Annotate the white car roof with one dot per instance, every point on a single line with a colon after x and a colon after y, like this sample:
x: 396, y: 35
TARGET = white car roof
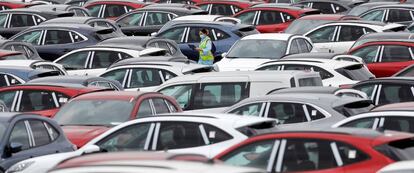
x: 268, y: 36
x: 398, y: 166
x: 324, y: 63
x: 199, y: 17
x: 20, y: 63
x: 391, y: 113
x: 180, y: 66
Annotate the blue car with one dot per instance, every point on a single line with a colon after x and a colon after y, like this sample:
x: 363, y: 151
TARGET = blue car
x: 53, y: 40
x: 186, y: 33
x: 25, y: 135
x: 14, y: 75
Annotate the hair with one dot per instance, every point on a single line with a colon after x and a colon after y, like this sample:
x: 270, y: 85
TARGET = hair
x: 204, y: 31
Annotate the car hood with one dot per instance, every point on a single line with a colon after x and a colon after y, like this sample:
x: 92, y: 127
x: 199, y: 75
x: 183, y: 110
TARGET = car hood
x: 240, y: 64
x: 80, y: 135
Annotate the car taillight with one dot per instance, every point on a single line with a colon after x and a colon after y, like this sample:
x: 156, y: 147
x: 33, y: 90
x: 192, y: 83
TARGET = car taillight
x: 345, y: 86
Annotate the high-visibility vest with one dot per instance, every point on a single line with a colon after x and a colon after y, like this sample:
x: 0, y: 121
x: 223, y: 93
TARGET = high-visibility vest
x: 203, y: 45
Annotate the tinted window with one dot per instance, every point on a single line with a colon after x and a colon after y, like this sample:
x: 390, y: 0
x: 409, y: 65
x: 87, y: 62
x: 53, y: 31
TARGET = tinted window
x: 176, y: 135
x: 19, y: 135
x: 395, y: 53
x: 57, y: 37
x: 117, y: 75
x: 75, y: 60
x: 40, y: 133
x: 270, y: 17
x: 173, y: 34
x: 182, y: 93
x: 94, y: 10
x: 131, y: 138
x: 350, y: 33
x: 215, y: 135
x: 365, y: 123
x: 30, y: 37
x: 220, y: 95
x: 304, y: 45
x: 221, y: 9
x: 7, y: 80
x: 250, y: 109
x: 368, y: 54
x: 311, y: 81
x: 7, y: 97
x: 376, y: 15
x: 194, y: 36
x: 160, y: 106
x: 398, y: 15
x: 287, y: 113
x: 322, y: 35
x: 113, y: 10
x: 33, y: 100
x: 394, y: 93
x: 21, y: 20
x: 350, y: 154
x: 103, y: 59
x: 294, y: 48
x: 219, y: 35
x: 131, y: 20
x: 145, y: 78
x: 367, y: 89
x: 144, y: 109
x: 76, y: 37
x: 3, y: 19
x: 247, y: 17
x: 405, y: 124
x: 324, y: 7
x: 156, y: 18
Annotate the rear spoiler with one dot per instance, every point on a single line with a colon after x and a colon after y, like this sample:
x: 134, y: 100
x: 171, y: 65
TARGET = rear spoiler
x: 43, y: 73
x: 393, y: 27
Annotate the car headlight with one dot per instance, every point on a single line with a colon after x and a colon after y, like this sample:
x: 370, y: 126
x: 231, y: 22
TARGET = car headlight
x: 19, y: 167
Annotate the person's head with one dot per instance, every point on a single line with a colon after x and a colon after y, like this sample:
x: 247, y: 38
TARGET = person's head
x: 203, y: 33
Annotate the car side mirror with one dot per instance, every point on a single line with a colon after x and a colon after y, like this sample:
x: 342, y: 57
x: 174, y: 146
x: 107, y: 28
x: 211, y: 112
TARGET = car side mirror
x: 90, y: 149
x: 223, y: 55
x: 15, y: 147
x: 153, y: 34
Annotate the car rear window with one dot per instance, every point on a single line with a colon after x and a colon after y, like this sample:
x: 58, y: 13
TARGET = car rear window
x: 355, y: 108
x: 310, y: 81
x: 398, y: 150
x: 355, y: 72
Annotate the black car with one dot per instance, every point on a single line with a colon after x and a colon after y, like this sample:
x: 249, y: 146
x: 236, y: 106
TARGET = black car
x: 53, y: 40
x: 25, y: 135
x: 331, y: 7
x: 16, y: 20
x: 147, y: 20
x: 388, y: 90
x: 78, y: 11
x: 92, y: 21
x: 26, y: 48
x: 170, y: 46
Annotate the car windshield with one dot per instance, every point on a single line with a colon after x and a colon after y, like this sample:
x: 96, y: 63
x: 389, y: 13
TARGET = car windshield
x: 303, y: 26
x: 95, y: 112
x: 15, y: 57
x: 271, y: 49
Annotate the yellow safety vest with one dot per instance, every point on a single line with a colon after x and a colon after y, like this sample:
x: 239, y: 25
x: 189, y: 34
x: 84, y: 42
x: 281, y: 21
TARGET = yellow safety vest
x: 203, y: 45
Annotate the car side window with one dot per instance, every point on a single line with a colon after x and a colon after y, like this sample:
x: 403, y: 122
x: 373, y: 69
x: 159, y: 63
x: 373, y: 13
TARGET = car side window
x: 395, y: 93
x: 214, y: 134
x: 367, y: 89
x: 131, y: 20
x: 376, y: 15
x: 8, y: 97
x: 94, y: 10
x: 219, y: 35
x: 287, y: 113
x: 182, y: 93
x: 255, y: 154
x: 324, y: 74
x: 350, y: 154
x: 338, y: 8
x: 396, y: 53
x: 131, y: 138
x: 368, y: 53
x: 323, y: 6
x: 221, y: 9
x: 176, y: 135
x: 37, y: 100
x: 294, y: 48
x: 145, y: 77
x: 194, y: 36
x: 271, y: 67
x: 397, y: 123
x: 114, y: 10
x: 322, y: 35
x: 75, y: 60
x: 3, y: 20
x: 32, y: 37
x: 76, y: 37
x: 220, y: 94
x: 57, y: 37
x: 20, y: 135
x: 350, y: 33
x: 103, y: 59
x: 79, y: 12
x: 270, y: 17
x: 366, y: 123
x: 157, y: 18
x: 160, y: 44
x: 175, y: 34
x: 144, y: 109
x: 303, y: 45
x: 250, y: 109
x: 247, y: 17
x: 117, y: 75
x: 21, y: 20
x: 40, y: 133
x: 399, y: 15
x: 160, y: 106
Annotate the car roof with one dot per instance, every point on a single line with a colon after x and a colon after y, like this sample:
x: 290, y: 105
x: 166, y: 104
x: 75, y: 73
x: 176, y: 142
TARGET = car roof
x: 323, y: 62
x: 129, y: 1
x: 199, y: 22
x: 325, y: 17
x: 398, y: 5
x: 67, y: 26
x: 404, y: 106
x: 279, y: 5
x: 388, y: 35
x: 183, y: 11
x: 149, y: 59
x: 25, y: 73
x: 366, y: 22
x: 83, y: 80
x: 403, y: 79
x: 119, y: 95
x: 52, y: 7
x: 7, y: 116
x: 36, y: 11
x: 268, y: 36
x: 74, y: 19
x: 183, y: 67
x: 135, y: 41
x: 309, y: 89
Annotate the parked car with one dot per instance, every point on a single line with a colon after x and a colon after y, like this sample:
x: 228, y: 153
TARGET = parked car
x: 333, y: 72
x: 387, y: 90
x: 26, y: 135
x: 406, y: 72
x: 330, y: 7
x: 111, y: 9
x: 395, y: 13
x: 12, y: 55
x: 192, y: 2
x: 14, y: 75
x: 94, y: 60
x: 215, y: 18
x: 59, y: 39
x: 77, y: 11
x: 223, y: 35
x: 26, y: 48
x: 21, y: 19
x: 384, y: 58
x: 144, y: 21
x: 86, y: 81
x: 302, y: 109
x: 6, y: 5
x: 362, y: 8
x: 40, y: 98
x: 340, y: 92
x: 339, y: 36
x: 382, y: 36
x: 92, y: 21
x: 146, y: 75
x: 225, y: 7
x: 397, y: 117
x: 89, y: 115
x: 221, y: 89
x: 36, y: 64
x: 338, y: 150
x: 306, y: 23
x: 272, y: 17
x: 173, y: 5
x: 79, y: 3
x: 251, y: 51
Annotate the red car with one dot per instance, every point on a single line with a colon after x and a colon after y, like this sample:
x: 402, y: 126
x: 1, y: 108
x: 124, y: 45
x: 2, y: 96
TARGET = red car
x: 11, y: 55
x: 342, y: 150
x: 270, y: 18
x: 112, y: 9
x: 225, y: 7
x: 5, y: 5
x: 89, y: 115
x: 192, y: 2
x: 387, y: 57
x: 43, y: 99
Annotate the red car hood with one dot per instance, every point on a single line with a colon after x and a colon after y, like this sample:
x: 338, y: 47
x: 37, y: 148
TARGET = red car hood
x: 80, y: 135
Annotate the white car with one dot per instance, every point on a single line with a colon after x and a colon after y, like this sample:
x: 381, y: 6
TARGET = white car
x: 216, y: 18
x: 95, y: 59
x: 253, y: 50
x: 339, y: 36
x: 146, y: 74
x: 333, y: 72
x: 203, y: 134
x: 398, y: 167
x: 36, y: 64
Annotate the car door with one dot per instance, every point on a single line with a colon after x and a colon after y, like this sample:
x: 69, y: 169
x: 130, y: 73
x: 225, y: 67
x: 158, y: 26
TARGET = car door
x: 120, y: 75
x: 132, y: 23
x: 346, y: 37
x: 393, y: 58
x: 323, y: 37
x: 58, y: 42
x: 19, y: 22
x: 102, y: 59
x: 394, y: 93
x: 75, y: 63
x: 153, y: 22
x: 33, y: 37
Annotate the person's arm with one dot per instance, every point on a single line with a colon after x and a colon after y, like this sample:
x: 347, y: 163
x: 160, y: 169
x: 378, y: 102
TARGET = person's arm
x: 208, y: 48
